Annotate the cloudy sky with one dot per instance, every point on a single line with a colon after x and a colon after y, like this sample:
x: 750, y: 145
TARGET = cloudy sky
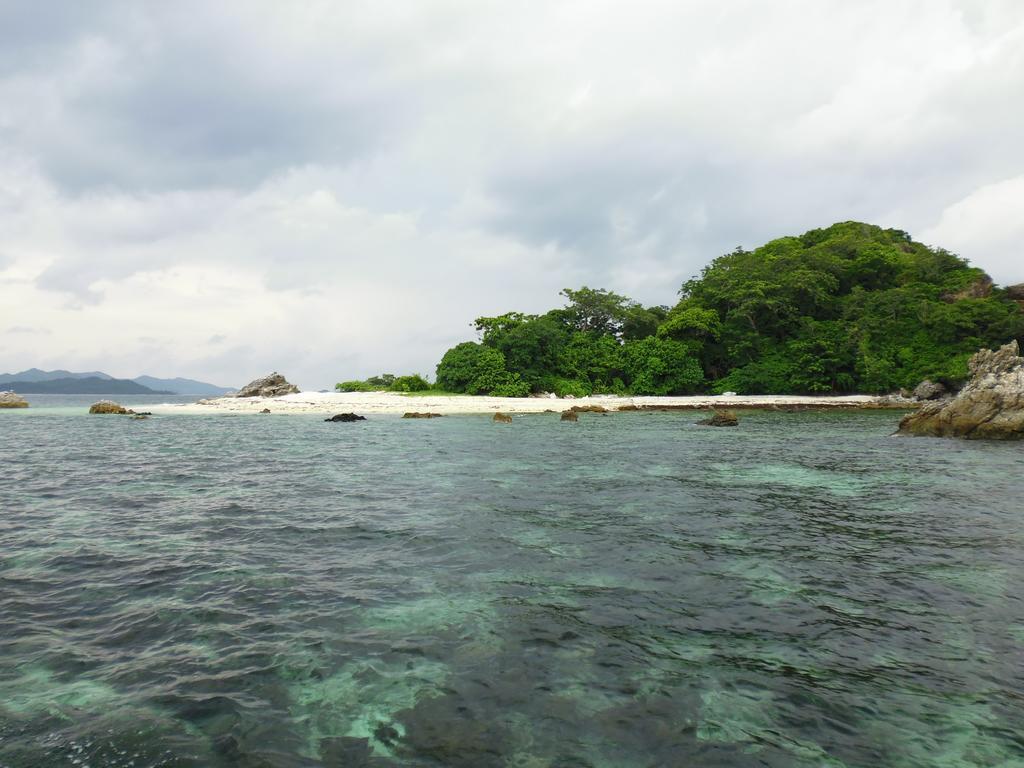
x: 333, y: 189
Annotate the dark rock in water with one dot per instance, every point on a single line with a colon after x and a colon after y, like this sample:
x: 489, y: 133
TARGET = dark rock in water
x: 570, y: 415
x: 108, y: 406
x: 421, y: 415
x: 265, y: 410
x: 721, y: 419
x: 274, y: 385
x: 346, y: 417
x: 503, y: 418
x: 629, y: 407
x: 929, y: 390
x: 990, y: 406
x: 12, y: 400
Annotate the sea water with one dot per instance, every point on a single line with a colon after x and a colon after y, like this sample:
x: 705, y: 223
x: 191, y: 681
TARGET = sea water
x: 628, y: 590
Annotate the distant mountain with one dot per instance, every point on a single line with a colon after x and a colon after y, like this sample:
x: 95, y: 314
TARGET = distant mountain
x: 90, y: 385
x: 177, y: 386
x: 34, y: 374
x: 181, y: 386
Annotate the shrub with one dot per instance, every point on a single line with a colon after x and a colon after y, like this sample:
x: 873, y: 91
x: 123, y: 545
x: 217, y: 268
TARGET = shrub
x: 412, y: 383
x: 356, y: 386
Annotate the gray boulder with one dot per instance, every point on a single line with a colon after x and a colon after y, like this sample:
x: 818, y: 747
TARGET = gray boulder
x: 274, y: 385
x: 12, y: 400
x: 930, y: 390
x: 990, y: 406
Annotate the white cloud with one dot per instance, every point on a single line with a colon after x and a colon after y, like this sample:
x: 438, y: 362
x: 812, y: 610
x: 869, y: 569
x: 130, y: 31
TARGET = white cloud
x: 987, y: 227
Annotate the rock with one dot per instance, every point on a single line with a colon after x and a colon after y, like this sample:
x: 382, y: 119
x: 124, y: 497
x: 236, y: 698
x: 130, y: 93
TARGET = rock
x: 629, y: 407
x: 503, y: 418
x: 589, y: 409
x: 721, y: 419
x: 929, y: 390
x: 421, y: 415
x: 979, y: 289
x: 274, y: 385
x: 570, y: 415
x: 1016, y: 292
x: 346, y: 417
x: 12, y: 400
x: 990, y: 406
x: 265, y: 410
x: 108, y: 406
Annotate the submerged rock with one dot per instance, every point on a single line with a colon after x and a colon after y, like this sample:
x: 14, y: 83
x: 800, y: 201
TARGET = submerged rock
x: 990, y: 406
x: 570, y: 415
x: 346, y: 417
x: 721, y: 419
x: 503, y: 418
x: 12, y: 400
x: 421, y: 415
x: 265, y: 410
x: 108, y: 406
x: 274, y: 385
x: 929, y: 390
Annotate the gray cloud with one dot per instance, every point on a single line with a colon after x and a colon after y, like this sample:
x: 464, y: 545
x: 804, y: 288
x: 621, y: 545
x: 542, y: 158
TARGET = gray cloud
x: 405, y: 166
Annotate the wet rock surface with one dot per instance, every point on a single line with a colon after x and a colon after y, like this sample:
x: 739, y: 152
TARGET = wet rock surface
x: 721, y: 419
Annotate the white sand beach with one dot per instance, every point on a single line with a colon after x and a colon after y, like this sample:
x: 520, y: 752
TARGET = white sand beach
x: 365, y: 403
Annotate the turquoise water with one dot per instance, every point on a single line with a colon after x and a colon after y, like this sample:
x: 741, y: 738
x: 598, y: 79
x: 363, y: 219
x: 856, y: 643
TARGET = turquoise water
x: 631, y: 590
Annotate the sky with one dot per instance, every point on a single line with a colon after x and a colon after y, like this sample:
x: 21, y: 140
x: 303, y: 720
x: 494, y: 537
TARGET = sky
x: 334, y: 189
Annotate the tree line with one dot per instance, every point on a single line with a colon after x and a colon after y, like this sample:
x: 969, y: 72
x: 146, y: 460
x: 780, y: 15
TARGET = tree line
x: 849, y: 308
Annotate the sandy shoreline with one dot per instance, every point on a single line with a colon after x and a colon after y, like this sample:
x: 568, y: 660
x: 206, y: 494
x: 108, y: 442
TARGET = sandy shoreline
x: 393, y: 403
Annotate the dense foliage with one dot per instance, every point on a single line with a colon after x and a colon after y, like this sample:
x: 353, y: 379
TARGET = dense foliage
x: 386, y: 382
x: 850, y: 308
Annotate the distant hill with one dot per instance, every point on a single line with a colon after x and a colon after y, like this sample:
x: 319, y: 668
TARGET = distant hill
x: 181, y: 386
x: 34, y: 374
x: 90, y: 385
x: 177, y: 386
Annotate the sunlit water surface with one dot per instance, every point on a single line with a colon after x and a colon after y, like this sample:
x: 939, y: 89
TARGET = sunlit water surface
x: 631, y: 590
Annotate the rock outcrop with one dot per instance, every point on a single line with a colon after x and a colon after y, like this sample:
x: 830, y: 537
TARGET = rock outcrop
x: 990, y: 406
x: 1016, y: 292
x: 721, y: 419
x: 346, y: 417
x: 503, y: 418
x: 274, y: 385
x: 929, y: 390
x: 421, y: 415
x: 109, y: 406
x: 570, y: 415
x: 12, y: 400
x: 979, y: 289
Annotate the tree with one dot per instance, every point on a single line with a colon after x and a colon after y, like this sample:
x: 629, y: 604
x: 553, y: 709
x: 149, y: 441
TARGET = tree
x: 598, y: 310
